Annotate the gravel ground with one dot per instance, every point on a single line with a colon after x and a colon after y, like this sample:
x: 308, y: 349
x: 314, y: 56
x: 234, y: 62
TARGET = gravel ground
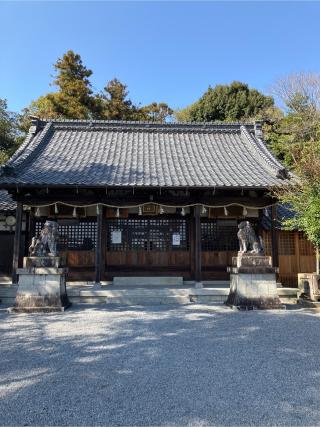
x: 166, y: 365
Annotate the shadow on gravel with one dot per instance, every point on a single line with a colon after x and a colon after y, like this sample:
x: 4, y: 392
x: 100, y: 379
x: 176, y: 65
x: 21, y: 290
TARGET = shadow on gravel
x: 160, y: 365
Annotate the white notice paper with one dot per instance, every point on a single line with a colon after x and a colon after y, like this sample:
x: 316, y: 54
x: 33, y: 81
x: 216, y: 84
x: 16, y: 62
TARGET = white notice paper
x: 116, y: 237
x: 176, y: 239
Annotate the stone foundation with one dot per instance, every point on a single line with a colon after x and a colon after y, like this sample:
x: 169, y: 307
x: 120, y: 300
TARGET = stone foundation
x: 253, y: 283
x: 41, y: 286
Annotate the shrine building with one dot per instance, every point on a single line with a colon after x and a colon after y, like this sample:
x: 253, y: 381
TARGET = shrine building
x: 144, y: 199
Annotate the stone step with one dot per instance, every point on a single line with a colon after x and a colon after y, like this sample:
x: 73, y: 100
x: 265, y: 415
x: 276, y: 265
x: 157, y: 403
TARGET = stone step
x: 145, y: 295
x: 5, y: 280
x: 148, y: 300
x: 166, y: 295
x: 8, y: 294
x: 8, y: 291
x: 145, y: 281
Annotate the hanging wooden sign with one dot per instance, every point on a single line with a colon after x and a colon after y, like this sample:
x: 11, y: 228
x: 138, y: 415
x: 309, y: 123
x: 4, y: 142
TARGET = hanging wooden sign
x: 150, y: 209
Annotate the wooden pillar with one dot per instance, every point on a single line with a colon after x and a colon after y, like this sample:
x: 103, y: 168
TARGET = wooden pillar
x: 98, y: 260
x: 192, y: 242
x: 32, y: 226
x: 17, y: 242
x: 297, y: 253
x: 27, y: 237
x: 274, y: 237
x: 197, y: 243
x: 103, y: 243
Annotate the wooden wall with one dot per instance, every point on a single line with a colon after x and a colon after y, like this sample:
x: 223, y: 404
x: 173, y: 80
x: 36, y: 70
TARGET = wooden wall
x: 296, y: 255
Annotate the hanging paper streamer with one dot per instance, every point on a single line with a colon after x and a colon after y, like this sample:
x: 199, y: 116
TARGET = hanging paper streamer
x: 244, y: 212
x: 203, y: 210
x: 266, y: 212
x: 56, y: 211
x: 226, y: 211
x: 74, y: 213
x: 37, y: 213
x: 97, y: 209
x: 161, y: 211
x: 118, y: 213
x: 140, y: 210
x: 183, y: 212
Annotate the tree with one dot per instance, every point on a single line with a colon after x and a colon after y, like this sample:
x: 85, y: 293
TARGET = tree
x: 8, y: 132
x: 157, y: 112
x: 74, y: 98
x: 232, y: 102
x: 113, y: 103
x: 288, y: 135
x: 303, y: 195
x: 297, y: 137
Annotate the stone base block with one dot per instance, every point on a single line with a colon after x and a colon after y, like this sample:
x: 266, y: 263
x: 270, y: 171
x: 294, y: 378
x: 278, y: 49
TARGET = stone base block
x: 251, y: 260
x: 249, y: 291
x: 253, y: 283
x: 43, y: 261
x: 42, y: 286
x: 45, y: 309
x: 309, y: 286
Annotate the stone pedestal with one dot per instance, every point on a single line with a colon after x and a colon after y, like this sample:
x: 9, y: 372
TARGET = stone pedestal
x: 42, y: 285
x: 309, y: 286
x: 253, y: 283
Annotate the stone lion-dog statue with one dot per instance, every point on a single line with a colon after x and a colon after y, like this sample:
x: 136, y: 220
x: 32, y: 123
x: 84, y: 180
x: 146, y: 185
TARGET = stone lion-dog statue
x: 46, y: 243
x: 248, y: 239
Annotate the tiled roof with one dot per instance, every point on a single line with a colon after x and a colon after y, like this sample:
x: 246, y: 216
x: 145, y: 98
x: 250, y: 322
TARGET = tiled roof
x: 6, y: 202
x: 283, y: 212
x: 101, y: 153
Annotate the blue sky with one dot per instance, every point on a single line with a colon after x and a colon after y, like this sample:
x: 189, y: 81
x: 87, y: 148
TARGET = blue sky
x: 163, y: 51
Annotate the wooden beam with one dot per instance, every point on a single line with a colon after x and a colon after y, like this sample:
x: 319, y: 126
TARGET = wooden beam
x: 98, y: 259
x: 197, y: 243
x: 274, y: 237
x: 17, y: 242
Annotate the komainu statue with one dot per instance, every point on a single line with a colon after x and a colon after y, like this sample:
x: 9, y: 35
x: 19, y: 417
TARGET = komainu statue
x: 46, y: 243
x: 248, y: 239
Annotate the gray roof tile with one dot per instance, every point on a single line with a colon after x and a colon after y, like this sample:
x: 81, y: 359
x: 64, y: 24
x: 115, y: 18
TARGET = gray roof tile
x: 101, y: 153
x: 6, y: 202
x: 283, y: 212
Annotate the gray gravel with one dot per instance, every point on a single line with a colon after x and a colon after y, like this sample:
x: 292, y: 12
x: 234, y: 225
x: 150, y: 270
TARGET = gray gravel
x: 166, y: 365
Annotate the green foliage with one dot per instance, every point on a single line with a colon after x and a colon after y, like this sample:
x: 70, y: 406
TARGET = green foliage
x: 289, y: 136
x: 234, y: 102
x: 156, y: 112
x: 113, y: 103
x: 8, y: 131
x: 74, y: 98
x: 303, y: 196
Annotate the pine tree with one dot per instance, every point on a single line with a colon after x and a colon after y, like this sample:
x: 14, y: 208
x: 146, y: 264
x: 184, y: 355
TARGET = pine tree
x: 74, y: 98
x: 113, y: 103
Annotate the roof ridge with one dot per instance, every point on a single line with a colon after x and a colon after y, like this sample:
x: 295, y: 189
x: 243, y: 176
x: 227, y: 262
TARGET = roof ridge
x: 265, y: 153
x: 143, y: 123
